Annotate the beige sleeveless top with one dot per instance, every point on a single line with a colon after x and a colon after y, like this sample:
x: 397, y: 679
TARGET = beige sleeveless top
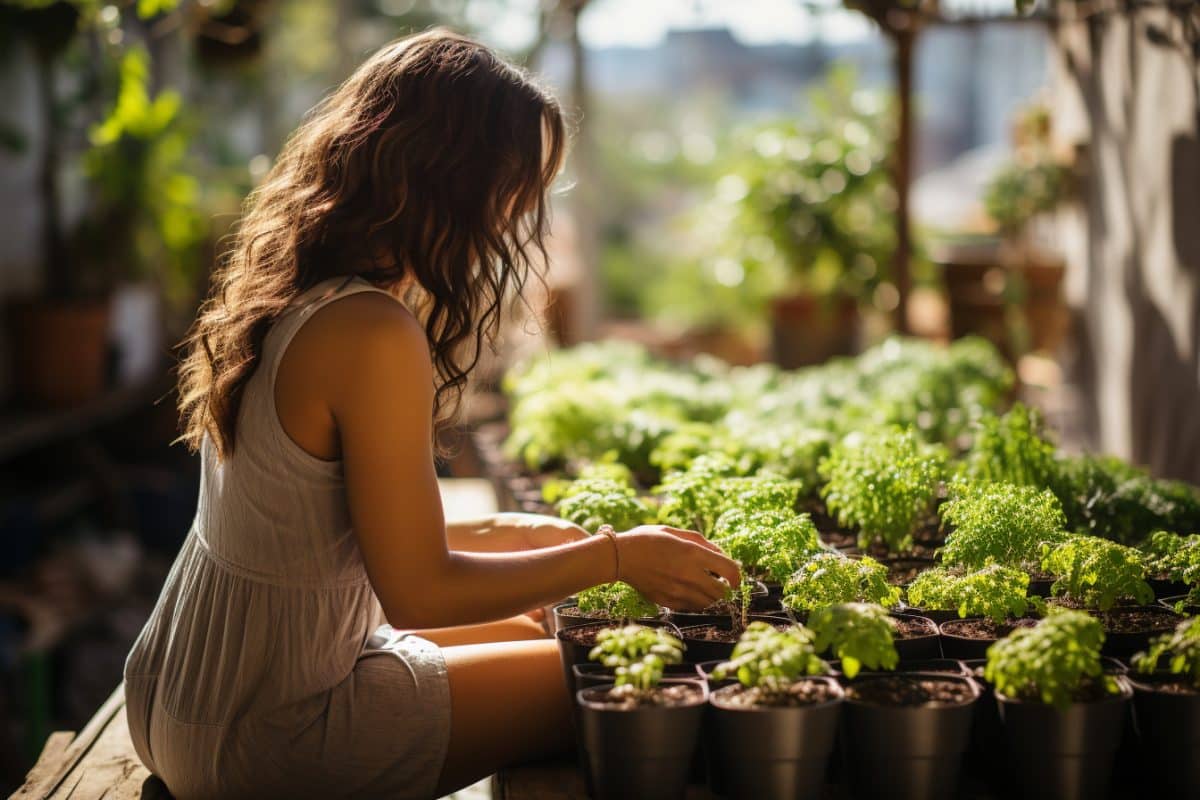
x: 263, y: 669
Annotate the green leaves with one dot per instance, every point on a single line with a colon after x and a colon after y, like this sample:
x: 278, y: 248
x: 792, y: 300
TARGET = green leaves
x: 829, y: 578
x: 1011, y: 449
x: 1051, y: 662
x: 1096, y: 572
x: 1000, y: 522
x: 636, y: 654
x: 771, y: 660
x: 1182, y: 648
x: 994, y: 591
x: 860, y: 634
x: 1174, y: 557
x: 592, y: 502
x: 617, y: 600
x: 769, y: 544
x: 883, y: 483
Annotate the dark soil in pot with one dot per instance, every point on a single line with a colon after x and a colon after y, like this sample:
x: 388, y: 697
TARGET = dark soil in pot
x: 715, y: 641
x: 1167, y: 721
x: 970, y: 638
x: 775, y: 751
x: 1129, y: 629
x: 904, y: 735
x: 1186, y: 607
x: 947, y: 666
x: 641, y: 748
x: 1039, y: 584
x: 903, y: 571
x: 761, y: 601
x: 842, y: 540
x: 916, y: 637
x: 1063, y: 755
x: 567, y: 615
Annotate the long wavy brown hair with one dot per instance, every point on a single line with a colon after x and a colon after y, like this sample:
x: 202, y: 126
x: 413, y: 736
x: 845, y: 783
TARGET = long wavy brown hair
x: 429, y: 167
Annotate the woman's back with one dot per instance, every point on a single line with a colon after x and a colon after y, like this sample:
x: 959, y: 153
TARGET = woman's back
x: 267, y: 610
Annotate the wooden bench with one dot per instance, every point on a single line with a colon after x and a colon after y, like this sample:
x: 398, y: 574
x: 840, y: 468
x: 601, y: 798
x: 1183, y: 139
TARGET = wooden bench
x: 99, y: 761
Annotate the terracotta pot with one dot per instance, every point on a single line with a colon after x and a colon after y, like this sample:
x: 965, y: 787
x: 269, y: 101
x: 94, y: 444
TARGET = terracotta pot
x: 810, y: 329
x: 59, y: 351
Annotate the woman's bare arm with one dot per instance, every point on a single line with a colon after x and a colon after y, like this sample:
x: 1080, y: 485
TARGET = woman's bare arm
x: 380, y: 396
x: 510, y: 531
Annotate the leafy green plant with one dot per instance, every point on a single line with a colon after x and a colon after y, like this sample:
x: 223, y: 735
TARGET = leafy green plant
x: 711, y: 486
x: 770, y: 660
x: 829, y: 578
x: 1000, y: 522
x: 1096, y: 572
x: 636, y: 654
x: 1052, y: 662
x: 884, y: 484
x: 1182, y: 648
x: 993, y: 591
x: 769, y: 544
x: 1173, y: 557
x: 593, y: 502
x: 860, y: 634
x: 617, y: 600
x: 1011, y: 449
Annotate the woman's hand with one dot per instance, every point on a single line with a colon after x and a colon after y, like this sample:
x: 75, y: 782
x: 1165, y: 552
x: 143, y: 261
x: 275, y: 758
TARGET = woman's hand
x: 675, y: 568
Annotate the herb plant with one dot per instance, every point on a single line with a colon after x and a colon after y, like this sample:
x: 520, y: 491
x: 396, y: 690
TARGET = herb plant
x: 1000, y: 522
x: 1182, y: 648
x: 592, y: 502
x: 1011, y: 449
x: 617, y: 600
x: 769, y: 544
x: 884, y: 484
x: 860, y: 634
x: 711, y: 486
x: 993, y: 591
x: 829, y: 578
x: 636, y: 654
x: 769, y: 660
x: 1052, y: 662
x: 1096, y: 572
x: 1173, y: 557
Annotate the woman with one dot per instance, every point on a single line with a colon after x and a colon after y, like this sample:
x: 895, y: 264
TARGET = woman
x: 313, y: 393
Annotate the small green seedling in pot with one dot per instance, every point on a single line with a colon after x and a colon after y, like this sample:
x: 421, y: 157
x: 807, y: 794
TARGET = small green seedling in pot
x: 1096, y: 573
x: 592, y: 502
x: 617, y: 600
x: 1000, y: 522
x: 768, y: 661
x: 828, y: 578
x: 770, y: 545
x: 1051, y: 663
x: 860, y: 634
x: 884, y: 484
x: 636, y: 654
x: 1181, y: 648
x: 993, y: 591
x: 1173, y: 557
x: 1011, y: 449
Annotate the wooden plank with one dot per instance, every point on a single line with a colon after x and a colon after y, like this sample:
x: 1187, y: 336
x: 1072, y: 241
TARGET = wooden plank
x: 555, y: 781
x: 50, y: 757
x: 74, y: 752
x: 110, y: 769
x: 467, y: 498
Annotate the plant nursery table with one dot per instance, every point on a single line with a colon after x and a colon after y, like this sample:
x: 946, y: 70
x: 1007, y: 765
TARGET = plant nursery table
x: 100, y: 762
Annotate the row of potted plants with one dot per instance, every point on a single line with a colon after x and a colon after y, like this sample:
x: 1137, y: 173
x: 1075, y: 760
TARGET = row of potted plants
x: 1045, y: 709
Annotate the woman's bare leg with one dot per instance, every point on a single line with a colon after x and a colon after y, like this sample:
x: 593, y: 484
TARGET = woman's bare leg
x: 513, y: 629
x: 508, y: 705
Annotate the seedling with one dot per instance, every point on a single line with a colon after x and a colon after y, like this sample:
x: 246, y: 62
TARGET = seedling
x: 883, y: 484
x: 617, y: 600
x: 1096, y: 572
x: 994, y: 591
x: 769, y: 544
x: 1182, y: 649
x: 592, y: 502
x: 636, y: 654
x: 1011, y: 449
x: 828, y: 578
x: 1052, y: 662
x: 711, y: 487
x: 1000, y: 522
x: 769, y: 660
x: 1173, y: 557
x: 860, y: 634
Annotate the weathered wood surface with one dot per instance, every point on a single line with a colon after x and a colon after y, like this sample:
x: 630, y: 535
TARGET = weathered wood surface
x: 555, y: 781
x: 100, y: 761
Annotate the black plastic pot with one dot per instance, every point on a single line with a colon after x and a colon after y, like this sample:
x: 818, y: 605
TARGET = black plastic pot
x: 945, y: 666
x: 698, y: 650
x: 1062, y: 755
x: 919, y: 647
x: 770, y: 753
x: 964, y: 648
x: 938, y: 615
x: 572, y: 653
x: 903, y: 753
x: 1039, y: 587
x: 1123, y: 645
x: 1168, y: 736
x: 566, y: 615
x: 639, y: 754
x: 1167, y: 588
